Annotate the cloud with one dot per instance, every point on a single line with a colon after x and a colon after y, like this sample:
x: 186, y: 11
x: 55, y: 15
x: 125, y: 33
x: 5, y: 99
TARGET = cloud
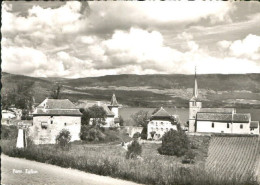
x: 249, y: 47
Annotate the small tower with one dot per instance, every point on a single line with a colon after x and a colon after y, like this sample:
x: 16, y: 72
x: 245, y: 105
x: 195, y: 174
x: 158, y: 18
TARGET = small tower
x: 114, y: 106
x: 194, y: 106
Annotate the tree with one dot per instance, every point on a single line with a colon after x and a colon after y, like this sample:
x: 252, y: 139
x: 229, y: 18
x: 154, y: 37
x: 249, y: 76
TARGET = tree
x: 63, y: 139
x: 121, y: 121
x: 55, y: 93
x: 90, y: 133
x: 141, y: 118
x: 174, y: 142
x: 97, y: 113
x: 133, y: 150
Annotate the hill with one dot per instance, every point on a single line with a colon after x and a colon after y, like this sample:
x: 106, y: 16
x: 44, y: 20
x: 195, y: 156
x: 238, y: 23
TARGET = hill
x: 233, y: 90
x: 233, y: 156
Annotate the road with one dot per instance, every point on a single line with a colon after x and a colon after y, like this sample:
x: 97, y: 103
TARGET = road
x: 16, y: 171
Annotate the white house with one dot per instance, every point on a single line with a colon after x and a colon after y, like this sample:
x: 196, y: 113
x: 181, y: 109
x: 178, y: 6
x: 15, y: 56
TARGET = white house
x: 50, y: 117
x: 112, y: 112
x: 218, y: 120
x: 160, y: 123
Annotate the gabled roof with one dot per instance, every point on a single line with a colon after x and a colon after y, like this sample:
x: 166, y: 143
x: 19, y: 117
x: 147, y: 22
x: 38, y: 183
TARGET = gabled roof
x: 113, y: 101
x: 241, y: 117
x: 57, y: 104
x: 217, y: 110
x: 226, y: 117
x: 254, y: 124
x: 105, y: 107
x: 162, y: 113
x: 57, y: 107
x: 213, y: 117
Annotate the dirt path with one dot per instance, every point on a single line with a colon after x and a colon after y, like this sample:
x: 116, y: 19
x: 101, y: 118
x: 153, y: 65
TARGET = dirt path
x: 15, y: 171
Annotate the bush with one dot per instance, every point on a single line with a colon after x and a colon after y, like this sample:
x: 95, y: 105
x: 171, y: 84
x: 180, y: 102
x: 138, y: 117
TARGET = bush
x: 89, y: 133
x: 9, y: 132
x: 136, y: 135
x: 189, y: 157
x: 174, y: 143
x: 133, y: 150
x: 63, y: 139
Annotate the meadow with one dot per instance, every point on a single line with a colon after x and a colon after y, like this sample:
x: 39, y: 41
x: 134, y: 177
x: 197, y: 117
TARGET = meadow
x: 109, y: 160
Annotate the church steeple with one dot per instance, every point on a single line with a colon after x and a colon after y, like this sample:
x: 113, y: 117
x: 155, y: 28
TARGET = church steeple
x: 114, y: 101
x: 195, y: 89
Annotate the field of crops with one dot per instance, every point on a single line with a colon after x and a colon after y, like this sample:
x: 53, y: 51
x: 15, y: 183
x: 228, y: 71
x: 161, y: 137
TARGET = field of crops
x: 233, y: 156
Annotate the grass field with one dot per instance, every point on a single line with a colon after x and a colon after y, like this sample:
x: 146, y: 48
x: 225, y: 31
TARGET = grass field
x: 109, y: 159
x: 233, y: 156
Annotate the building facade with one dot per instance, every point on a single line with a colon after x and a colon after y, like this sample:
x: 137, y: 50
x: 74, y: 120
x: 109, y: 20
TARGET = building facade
x: 160, y: 123
x: 112, y: 112
x: 50, y: 117
x: 218, y: 120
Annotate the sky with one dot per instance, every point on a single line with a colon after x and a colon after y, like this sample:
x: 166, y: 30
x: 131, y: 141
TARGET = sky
x: 82, y: 39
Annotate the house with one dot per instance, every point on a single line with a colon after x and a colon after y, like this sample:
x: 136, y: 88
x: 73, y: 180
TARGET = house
x: 112, y: 112
x: 50, y: 117
x: 160, y: 123
x: 218, y: 120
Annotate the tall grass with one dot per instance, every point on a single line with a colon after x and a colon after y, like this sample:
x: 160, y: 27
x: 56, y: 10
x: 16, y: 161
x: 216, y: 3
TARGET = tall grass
x: 110, y: 161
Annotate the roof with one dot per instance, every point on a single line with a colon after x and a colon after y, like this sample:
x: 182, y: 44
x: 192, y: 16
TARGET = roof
x: 57, y: 104
x: 214, y: 117
x: 162, y: 113
x: 113, y: 101
x: 204, y: 116
x: 254, y: 124
x: 218, y: 110
x: 241, y: 117
x: 105, y: 107
x: 57, y: 107
x: 57, y: 112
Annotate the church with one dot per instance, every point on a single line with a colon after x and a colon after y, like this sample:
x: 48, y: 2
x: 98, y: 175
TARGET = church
x: 218, y: 120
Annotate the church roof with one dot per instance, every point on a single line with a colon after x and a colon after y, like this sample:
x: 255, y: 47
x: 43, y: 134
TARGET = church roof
x: 254, y: 124
x: 227, y: 117
x: 201, y: 116
x: 218, y: 110
x: 161, y: 113
x: 195, y: 89
x: 114, y: 101
x: 241, y: 117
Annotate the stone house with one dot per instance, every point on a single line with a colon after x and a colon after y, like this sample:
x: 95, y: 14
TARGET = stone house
x: 50, y: 117
x: 160, y: 123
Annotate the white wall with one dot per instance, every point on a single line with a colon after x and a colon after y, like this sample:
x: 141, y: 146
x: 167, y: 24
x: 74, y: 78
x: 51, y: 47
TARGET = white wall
x: 221, y: 127
x: 115, y: 111
x: 255, y: 131
x: 48, y: 136
x: 160, y: 127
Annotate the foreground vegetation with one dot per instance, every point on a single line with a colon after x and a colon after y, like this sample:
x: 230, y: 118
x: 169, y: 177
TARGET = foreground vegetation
x: 105, y: 159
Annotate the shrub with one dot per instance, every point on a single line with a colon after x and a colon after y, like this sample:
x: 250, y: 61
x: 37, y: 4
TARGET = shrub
x: 133, y: 150
x: 63, y: 139
x: 136, y: 135
x: 9, y: 132
x: 174, y: 143
x: 189, y: 157
x: 89, y: 133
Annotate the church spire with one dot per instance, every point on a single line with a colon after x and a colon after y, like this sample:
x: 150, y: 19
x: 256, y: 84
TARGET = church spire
x: 114, y: 101
x: 195, y: 89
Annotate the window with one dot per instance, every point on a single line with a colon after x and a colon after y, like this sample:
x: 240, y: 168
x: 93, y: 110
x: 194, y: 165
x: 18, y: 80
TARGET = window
x: 156, y: 124
x: 157, y: 129
x: 212, y: 125
x: 162, y: 123
x: 167, y: 129
x: 227, y: 125
x: 65, y: 124
x: 44, y: 125
x: 51, y: 121
x: 241, y: 126
x: 162, y: 129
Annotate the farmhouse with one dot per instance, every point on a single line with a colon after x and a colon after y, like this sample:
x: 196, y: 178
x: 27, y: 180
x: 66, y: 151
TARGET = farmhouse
x: 112, y: 115
x: 50, y: 117
x: 160, y: 123
x: 218, y: 120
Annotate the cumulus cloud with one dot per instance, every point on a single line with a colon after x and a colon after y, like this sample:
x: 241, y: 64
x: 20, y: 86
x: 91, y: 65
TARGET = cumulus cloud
x: 68, y: 42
